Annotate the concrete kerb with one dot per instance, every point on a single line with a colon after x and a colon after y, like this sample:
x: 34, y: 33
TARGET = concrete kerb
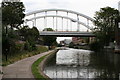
x: 44, y: 63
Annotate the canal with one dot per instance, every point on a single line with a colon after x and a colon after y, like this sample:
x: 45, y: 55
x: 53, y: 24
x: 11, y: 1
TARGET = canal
x: 83, y: 64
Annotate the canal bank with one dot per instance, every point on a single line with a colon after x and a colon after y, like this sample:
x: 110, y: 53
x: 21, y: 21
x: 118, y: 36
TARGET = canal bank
x: 21, y: 69
x: 44, y: 62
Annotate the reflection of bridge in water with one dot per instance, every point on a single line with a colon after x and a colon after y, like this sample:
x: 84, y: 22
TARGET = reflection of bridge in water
x: 62, y: 22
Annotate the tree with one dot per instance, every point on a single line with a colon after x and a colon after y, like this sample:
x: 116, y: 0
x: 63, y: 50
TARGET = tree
x: 25, y: 31
x: 105, y: 22
x: 12, y: 17
x: 71, y: 45
x: 30, y: 35
x: 49, y: 40
x: 34, y: 33
x: 48, y: 29
x: 12, y: 14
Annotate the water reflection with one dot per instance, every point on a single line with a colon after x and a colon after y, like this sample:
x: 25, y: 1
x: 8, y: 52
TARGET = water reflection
x: 73, y: 63
x: 73, y: 57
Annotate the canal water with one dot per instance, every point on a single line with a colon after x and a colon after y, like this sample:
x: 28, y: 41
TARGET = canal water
x: 83, y: 64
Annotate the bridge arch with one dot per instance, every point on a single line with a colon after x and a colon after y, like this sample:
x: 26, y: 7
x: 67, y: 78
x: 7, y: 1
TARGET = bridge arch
x: 76, y: 19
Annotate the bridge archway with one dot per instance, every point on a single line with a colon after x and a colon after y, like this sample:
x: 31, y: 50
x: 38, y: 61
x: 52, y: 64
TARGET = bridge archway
x: 72, y: 16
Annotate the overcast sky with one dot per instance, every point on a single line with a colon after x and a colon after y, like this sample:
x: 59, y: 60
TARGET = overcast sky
x: 87, y: 7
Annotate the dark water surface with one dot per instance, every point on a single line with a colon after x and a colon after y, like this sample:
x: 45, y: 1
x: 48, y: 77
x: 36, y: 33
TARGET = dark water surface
x: 94, y: 65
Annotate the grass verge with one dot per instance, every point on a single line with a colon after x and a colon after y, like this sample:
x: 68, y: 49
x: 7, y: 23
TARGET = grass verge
x: 37, y: 66
x: 35, y: 69
x: 21, y: 55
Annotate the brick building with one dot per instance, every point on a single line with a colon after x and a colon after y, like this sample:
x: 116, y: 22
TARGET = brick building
x: 77, y: 40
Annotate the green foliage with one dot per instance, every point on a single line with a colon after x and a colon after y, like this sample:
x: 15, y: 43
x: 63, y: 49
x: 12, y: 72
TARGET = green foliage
x: 35, y: 33
x: 27, y: 46
x: 71, y: 45
x: 54, y: 43
x: 35, y: 69
x: 49, y: 40
x: 22, y: 54
x: 35, y: 66
x: 13, y: 13
x: 87, y: 40
x: 95, y: 46
x: 105, y: 22
x: 48, y: 29
x: 30, y: 35
x: 8, y: 42
x: 30, y: 46
x: 19, y: 47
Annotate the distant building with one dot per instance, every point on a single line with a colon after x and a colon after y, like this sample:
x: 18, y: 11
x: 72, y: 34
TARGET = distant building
x: 81, y: 40
x: 65, y: 42
x: 78, y: 40
x: 62, y: 43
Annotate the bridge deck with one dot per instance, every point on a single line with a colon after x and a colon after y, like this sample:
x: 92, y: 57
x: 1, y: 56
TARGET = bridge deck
x: 67, y: 34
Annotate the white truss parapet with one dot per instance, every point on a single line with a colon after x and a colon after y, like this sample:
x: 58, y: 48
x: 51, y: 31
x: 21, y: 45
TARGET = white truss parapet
x: 63, y: 10
x: 88, y: 23
x: 74, y: 20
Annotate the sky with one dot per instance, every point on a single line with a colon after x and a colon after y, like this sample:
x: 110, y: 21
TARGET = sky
x: 86, y: 7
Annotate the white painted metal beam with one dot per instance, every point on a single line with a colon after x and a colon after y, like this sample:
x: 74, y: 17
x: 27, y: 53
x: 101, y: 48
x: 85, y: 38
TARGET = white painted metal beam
x: 73, y: 20
x: 63, y: 10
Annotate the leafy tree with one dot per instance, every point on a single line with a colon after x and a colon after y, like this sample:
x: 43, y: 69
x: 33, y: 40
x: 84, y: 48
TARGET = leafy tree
x: 27, y: 32
x: 71, y: 45
x: 12, y: 17
x: 49, y: 40
x: 13, y: 14
x: 105, y: 22
x: 30, y: 35
x: 23, y: 32
x: 48, y: 29
x: 34, y: 33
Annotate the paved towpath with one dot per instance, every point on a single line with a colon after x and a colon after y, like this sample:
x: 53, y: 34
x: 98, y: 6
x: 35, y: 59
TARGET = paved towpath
x: 22, y: 68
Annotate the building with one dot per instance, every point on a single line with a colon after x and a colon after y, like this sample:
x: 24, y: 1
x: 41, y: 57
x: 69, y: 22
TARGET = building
x: 76, y: 40
x: 79, y: 40
x: 65, y: 42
